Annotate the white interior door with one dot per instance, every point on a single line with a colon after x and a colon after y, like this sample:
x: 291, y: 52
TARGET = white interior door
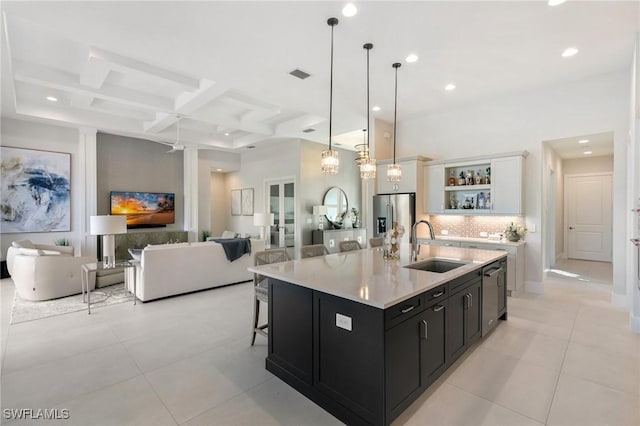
x: 282, y: 204
x: 589, y: 210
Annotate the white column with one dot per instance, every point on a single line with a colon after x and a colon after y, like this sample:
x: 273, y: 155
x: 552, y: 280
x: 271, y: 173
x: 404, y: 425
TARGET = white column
x: 190, y: 158
x: 88, y: 171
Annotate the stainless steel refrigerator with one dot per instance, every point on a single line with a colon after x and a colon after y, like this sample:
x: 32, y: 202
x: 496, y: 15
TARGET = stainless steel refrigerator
x: 390, y: 208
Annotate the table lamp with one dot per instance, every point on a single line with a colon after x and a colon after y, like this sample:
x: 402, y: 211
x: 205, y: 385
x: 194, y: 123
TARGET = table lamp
x: 320, y: 211
x: 263, y: 220
x: 108, y: 226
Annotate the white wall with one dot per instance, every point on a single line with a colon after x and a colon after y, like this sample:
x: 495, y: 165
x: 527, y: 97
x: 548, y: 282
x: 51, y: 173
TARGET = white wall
x: 552, y: 205
x: 211, y: 211
x: 274, y: 161
x: 523, y: 121
x: 577, y: 166
x: 633, y: 195
x: 31, y: 135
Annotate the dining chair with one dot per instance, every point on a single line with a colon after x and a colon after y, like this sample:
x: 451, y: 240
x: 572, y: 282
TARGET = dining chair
x: 313, y: 250
x: 261, y: 289
x: 376, y: 241
x: 349, y: 245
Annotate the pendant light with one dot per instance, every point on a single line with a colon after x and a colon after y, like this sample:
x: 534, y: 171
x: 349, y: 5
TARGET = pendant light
x: 368, y: 164
x: 330, y: 159
x: 394, y: 171
x: 362, y: 150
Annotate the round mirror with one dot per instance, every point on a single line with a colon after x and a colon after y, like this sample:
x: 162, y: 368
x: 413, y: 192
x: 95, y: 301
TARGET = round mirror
x: 335, y: 200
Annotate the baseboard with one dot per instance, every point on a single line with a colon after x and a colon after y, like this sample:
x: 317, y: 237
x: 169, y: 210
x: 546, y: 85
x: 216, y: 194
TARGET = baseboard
x: 618, y: 299
x: 634, y: 323
x: 534, y: 287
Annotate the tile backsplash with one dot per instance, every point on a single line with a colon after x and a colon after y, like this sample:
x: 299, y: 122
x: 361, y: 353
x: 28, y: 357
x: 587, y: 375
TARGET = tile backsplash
x: 471, y: 226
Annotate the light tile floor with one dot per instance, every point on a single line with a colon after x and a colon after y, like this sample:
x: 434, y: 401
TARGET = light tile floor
x: 565, y: 357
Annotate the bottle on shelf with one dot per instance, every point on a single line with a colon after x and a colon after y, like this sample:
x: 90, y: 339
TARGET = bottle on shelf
x: 452, y: 178
x: 479, y: 178
x: 461, y: 179
x: 470, y: 180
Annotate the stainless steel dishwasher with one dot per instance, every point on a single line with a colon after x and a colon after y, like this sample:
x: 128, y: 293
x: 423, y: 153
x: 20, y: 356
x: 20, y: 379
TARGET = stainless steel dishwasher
x: 493, y: 281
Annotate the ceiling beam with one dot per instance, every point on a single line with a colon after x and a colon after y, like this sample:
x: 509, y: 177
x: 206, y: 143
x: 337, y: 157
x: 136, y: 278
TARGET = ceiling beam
x: 67, y: 82
x: 126, y: 63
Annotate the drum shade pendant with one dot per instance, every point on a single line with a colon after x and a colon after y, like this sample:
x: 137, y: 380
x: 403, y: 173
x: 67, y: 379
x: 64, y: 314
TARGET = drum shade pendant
x: 368, y: 164
x: 330, y: 159
x: 362, y: 150
x: 394, y: 171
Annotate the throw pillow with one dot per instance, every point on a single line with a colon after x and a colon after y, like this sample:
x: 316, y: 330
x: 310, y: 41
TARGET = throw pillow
x: 23, y: 244
x: 30, y: 252
x: 136, y: 254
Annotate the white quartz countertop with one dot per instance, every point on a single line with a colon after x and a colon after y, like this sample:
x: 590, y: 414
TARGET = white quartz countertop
x: 365, y: 276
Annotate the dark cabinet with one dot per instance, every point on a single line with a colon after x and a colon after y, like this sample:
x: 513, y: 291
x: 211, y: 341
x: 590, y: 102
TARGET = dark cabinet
x: 464, y: 319
x: 415, y: 356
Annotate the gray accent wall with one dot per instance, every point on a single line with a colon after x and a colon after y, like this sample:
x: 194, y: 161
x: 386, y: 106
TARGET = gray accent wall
x: 130, y: 164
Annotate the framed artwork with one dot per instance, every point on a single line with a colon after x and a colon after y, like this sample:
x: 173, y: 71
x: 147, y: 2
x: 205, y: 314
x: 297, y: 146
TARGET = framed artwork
x: 247, y: 202
x: 35, y: 193
x: 236, y: 202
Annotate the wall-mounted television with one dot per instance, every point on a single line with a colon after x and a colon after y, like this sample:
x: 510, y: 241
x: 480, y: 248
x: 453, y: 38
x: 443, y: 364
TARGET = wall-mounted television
x: 144, y: 209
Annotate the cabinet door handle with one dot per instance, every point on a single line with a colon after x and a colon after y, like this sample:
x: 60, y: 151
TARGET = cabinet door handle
x: 407, y: 309
x: 470, y: 300
x: 425, y: 332
x: 438, y: 294
x: 438, y: 308
x: 466, y: 301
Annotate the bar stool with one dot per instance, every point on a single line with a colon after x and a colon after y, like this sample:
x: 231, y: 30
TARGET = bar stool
x: 313, y: 250
x: 261, y: 289
x: 349, y: 245
x: 376, y: 241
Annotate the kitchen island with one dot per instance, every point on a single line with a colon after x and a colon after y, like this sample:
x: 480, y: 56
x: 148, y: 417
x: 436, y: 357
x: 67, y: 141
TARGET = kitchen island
x: 362, y: 336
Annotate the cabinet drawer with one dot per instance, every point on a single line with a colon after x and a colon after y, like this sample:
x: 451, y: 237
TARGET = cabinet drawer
x: 463, y: 281
x: 437, y: 294
x: 403, y: 310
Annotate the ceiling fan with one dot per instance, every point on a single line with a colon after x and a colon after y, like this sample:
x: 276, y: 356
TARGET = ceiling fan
x: 177, y: 145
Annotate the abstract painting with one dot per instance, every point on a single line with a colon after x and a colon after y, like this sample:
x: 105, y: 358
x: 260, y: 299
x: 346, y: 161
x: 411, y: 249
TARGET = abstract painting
x: 236, y: 202
x: 247, y: 202
x: 35, y: 190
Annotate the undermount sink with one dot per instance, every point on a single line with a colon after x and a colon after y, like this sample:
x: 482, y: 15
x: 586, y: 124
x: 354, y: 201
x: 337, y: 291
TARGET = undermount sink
x: 435, y: 265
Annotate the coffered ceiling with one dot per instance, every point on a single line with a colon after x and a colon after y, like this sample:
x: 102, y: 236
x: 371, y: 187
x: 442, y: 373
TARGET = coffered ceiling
x: 222, y: 68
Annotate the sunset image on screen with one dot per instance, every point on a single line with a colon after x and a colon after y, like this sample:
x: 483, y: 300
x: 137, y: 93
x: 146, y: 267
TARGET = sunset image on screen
x: 144, y: 208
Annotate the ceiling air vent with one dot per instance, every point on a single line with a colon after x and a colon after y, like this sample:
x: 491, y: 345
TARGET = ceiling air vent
x: 308, y: 130
x: 300, y: 74
x: 250, y: 146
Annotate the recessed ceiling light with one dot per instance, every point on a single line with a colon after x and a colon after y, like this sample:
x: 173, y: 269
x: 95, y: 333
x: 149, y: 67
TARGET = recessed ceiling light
x: 376, y: 108
x: 412, y: 58
x: 52, y: 99
x: 583, y: 141
x: 588, y: 152
x: 450, y: 87
x: 555, y: 2
x: 349, y: 10
x: 226, y: 134
x: 569, y: 51
x: 218, y: 170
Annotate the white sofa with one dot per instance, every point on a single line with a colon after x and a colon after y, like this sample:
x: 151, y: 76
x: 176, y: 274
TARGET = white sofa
x: 171, y: 269
x: 43, y: 272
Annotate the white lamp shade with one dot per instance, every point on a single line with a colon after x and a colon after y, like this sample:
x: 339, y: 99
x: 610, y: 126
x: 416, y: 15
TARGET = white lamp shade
x: 263, y: 219
x: 108, y: 225
x: 320, y: 210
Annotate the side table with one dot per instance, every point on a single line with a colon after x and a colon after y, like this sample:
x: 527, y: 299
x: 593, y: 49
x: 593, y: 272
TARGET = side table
x: 89, y: 272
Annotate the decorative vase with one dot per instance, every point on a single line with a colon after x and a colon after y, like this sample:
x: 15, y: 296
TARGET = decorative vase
x: 513, y: 237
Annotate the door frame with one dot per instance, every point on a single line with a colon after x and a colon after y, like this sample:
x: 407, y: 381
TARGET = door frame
x: 565, y: 254
x: 266, y: 183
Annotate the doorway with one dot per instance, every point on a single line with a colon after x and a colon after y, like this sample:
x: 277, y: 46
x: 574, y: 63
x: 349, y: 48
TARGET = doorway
x: 577, y: 208
x: 282, y: 202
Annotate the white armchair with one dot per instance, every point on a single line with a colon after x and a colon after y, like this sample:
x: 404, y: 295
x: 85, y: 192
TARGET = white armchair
x: 43, y: 272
